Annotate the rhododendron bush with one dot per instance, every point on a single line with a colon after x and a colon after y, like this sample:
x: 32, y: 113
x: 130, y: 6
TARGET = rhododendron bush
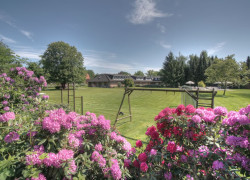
x: 189, y: 143
x: 38, y: 142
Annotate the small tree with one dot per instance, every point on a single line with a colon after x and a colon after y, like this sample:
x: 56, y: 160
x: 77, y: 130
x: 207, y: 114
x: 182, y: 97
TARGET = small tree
x: 128, y: 82
x: 139, y: 73
x: 201, y: 84
x: 63, y: 63
x: 124, y: 73
x: 223, y: 71
x: 8, y: 59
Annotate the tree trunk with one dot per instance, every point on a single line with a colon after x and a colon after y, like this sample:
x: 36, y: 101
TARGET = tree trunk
x: 225, y: 88
x: 63, y: 85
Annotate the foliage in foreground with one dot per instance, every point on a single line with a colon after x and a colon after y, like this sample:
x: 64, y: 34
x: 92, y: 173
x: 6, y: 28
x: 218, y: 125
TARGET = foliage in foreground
x: 187, y: 143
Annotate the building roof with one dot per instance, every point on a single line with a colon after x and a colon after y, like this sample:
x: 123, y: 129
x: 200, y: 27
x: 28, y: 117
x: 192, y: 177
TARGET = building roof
x: 121, y: 77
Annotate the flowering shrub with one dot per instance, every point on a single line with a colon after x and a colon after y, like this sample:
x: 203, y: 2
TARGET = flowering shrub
x: 19, y: 90
x: 189, y: 143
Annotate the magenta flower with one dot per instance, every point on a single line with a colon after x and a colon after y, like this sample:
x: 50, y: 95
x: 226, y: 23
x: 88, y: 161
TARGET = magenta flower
x: 7, y: 116
x: 168, y: 175
x: 40, y: 177
x: 4, y: 103
x: 217, y: 165
x: 115, y: 170
x: 98, y: 147
x: 144, y: 167
x: 138, y: 143
x: 12, y: 136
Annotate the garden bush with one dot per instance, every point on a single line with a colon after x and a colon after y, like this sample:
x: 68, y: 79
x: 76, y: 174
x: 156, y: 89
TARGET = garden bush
x: 189, y: 143
x: 40, y: 141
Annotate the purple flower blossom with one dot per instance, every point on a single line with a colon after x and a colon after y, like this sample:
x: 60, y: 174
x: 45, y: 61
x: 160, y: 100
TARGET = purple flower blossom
x: 168, y: 175
x: 196, y: 119
x: 6, y: 108
x: 12, y: 136
x: 220, y: 111
x: 4, y: 103
x: 217, y: 165
x: 115, y: 170
x: 153, y: 152
x: 98, y: 147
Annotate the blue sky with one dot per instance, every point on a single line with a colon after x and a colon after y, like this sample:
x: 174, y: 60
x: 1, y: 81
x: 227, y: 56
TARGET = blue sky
x: 128, y: 35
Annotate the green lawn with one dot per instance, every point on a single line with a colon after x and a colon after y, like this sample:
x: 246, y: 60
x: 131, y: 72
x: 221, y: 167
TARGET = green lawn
x: 145, y: 105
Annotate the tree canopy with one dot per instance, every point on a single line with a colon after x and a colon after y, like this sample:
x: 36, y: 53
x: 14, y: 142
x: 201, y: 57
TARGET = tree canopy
x: 91, y: 73
x: 139, y: 73
x: 223, y: 71
x: 124, y: 73
x: 173, y: 70
x: 8, y: 59
x: 63, y: 63
x: 35, y: 66
x: 152, y: 72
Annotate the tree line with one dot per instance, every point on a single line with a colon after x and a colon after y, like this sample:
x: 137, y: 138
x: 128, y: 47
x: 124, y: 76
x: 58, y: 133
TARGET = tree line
x: 177, y: 70
x: 63, y: 63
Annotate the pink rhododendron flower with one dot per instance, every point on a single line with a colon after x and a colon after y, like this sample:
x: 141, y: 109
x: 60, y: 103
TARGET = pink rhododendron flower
x: 144, y: 167
x: 138, y: 143
x: 98, y: 147
x: 115, y: 169
x: 142, y: 157
x: 12, y: 136
x: 196, y: 119
x: 7, y: 116
x: 40, y: 177
x: 220, y: 111
x: 168, y: 175
x: 171, y: 147
x: 127, y: 163
x: 153, y: 152
x: 217, y: 165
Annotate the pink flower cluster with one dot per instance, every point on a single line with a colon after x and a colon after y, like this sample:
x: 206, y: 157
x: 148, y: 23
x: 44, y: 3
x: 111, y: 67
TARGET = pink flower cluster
x: 97, y: 157
x: 7, y: 116
x: 115, y: 169
x: 12, y: 136
x: 57, y: 119
x: 52, y: 159
x: 119, y: 139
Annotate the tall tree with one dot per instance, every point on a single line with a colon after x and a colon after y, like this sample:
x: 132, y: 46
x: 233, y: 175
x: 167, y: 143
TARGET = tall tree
x: 223, y: 71
x: 202, y: 66
x: 8, y: 58
x: 248, y: 62
x: 63, y: 63
x: 138, y: 73
x: 171, y: 73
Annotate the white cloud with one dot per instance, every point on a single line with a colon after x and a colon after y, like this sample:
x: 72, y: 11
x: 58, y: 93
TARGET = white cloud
x: 10, y: 22
x: 6, y: 39
x: 27, y: 34
x: 28, y: 52
x: 161, y: 27
x: 218, y: 47
x: 164, y: 45
x: 106, y: 62
x: 145, y: 12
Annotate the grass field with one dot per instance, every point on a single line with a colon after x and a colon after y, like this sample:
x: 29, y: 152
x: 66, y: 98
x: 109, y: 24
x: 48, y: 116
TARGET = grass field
x: 145, y: 105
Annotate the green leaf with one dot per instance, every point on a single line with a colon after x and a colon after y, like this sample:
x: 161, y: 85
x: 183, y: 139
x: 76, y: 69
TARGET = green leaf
x: 42, y: 142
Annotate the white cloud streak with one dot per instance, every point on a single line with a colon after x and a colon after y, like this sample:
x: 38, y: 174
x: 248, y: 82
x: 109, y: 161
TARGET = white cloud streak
x: 145, y: 11
x: 161, y: 27
x: 28, y: 52
x: 10, y: 22
x: 165, y: 46
x: 6, y: 39
x: 106, y: 62
x: 218, y: 47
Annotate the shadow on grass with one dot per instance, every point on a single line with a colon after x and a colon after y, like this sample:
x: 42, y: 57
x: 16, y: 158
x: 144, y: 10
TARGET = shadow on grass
x: 244, y: 95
